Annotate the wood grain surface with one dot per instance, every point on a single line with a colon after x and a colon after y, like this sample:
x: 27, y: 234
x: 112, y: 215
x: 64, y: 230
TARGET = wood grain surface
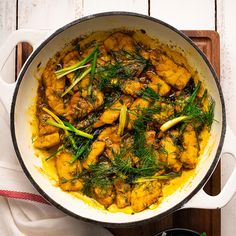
x: 196, y: 219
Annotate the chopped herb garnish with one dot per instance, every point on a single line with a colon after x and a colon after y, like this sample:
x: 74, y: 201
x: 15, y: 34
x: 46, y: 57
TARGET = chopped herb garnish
x: 67, y: 126
x: 122, y: 120
x: 93, y: 67
x: 170, y: 123
x: 106, y: 75
x: 80, y: 151
x: 76, y: 81
x: 55, y: 153
x: 192, y: 111
x: 79, y: 65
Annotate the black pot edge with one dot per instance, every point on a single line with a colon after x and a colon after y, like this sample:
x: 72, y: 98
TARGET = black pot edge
x: 107, y: 224
x: 179, y: 230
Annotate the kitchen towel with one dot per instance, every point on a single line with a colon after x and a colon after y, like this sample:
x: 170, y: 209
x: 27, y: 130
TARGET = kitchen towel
x: 23, y: 211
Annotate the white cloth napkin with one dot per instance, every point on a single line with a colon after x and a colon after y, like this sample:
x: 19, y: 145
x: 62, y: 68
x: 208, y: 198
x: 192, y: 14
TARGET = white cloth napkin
x: 26, y: 216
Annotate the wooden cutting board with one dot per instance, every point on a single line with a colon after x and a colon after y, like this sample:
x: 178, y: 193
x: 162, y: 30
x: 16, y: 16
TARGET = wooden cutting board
x: 200, y: 220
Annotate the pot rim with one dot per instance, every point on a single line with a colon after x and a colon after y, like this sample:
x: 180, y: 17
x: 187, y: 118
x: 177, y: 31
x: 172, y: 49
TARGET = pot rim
x: 179, y: 230
x: 41, y: 191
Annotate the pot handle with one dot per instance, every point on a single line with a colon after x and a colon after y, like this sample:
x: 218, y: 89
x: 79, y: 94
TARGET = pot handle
x: 33, y: 37
x: 202, y: 199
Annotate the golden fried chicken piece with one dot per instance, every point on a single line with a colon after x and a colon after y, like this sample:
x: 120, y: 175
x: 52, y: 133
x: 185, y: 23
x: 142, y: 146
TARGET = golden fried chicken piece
x: 123, y: 194
x: 112, y: 140
x: 119, y: 41
x: 175, y: 75
x: 132, y: 87
x: 104, y: 196
x: 67, y: 172
x: 158, y: 85
x: 77, y: 107
x: 135, y: 110
x: 169, y: 152
x: 96, y: 150
x: 190, y: 154
x: 70, y: 59
x: 43, y: 127
x: 53, y: 89
x: 145, y: 194
x: 47, y: 141
x: 111, y: 114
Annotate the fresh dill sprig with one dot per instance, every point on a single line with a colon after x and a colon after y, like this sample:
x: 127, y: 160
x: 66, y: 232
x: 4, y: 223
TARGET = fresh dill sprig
x: 107, y: 75
x: 122, y: 163
x: 145, y: 153
x: 102, y: 174
x: 132, y: 57
x: 193, y: 112
x: 190, y: 101
x: 81, y: 152
x: 134, y: 61
x: 150, y: 93
x: 126, y: 65
x: 98, y: 175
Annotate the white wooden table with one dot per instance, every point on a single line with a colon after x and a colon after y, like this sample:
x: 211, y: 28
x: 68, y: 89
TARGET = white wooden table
x: 183, y: 14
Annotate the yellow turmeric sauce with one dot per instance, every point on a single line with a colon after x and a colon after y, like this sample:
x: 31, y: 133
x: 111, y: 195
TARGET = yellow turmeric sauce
x: 49, y: 168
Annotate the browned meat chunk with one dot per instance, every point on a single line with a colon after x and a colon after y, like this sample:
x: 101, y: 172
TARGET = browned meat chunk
x: 123, y: 194
x: 78, y: 107
x: 104, y: 56
x: 175, y: 75
x: 45, y: 128
x: 145, y: 194
x: 150, y: 137
x: 169, y: 153
x: 166, y: 111
x: 96, y: 150
x: 53, y: 89
x: 47, y: 141
x: 112, y: 140
x: 119, y: 41
x: 111, y: 114
x: 189, y: 156
x: 105, y: 196
x: 67, y: 172
x: 135, y: 109
x: 158, y: 85
x: 131, y: 87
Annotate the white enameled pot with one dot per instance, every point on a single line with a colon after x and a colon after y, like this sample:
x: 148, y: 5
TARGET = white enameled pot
x: 18, y: 97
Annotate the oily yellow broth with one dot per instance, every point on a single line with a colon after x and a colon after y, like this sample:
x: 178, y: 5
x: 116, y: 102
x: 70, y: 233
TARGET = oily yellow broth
x: 49, y: 167
x: 178, y: 183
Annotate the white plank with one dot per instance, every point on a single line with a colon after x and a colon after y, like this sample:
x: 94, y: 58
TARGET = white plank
x: 44, y: 14
x: 226, y: 19
x: 185, y: 14
x: 92, y: 7
x: 7, y: 25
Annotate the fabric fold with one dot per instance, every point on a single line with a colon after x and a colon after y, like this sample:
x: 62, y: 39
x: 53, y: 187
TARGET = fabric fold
x: 23, y: 214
